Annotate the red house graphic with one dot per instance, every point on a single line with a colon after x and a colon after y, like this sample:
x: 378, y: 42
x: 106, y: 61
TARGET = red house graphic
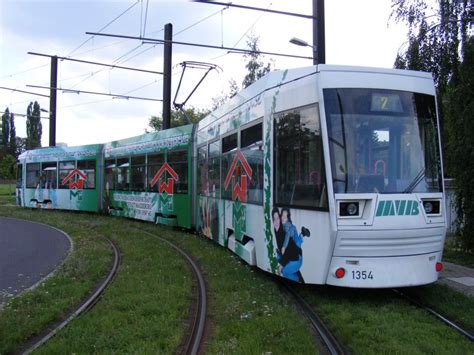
x: 162, y: 186
x: 239, y: 189
x: 79, y: 184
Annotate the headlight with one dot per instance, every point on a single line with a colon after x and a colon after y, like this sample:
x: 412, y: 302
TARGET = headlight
x: 349, y: 209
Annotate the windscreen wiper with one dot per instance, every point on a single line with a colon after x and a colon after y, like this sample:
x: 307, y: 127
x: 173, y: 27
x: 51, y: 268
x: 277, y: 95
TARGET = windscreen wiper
x: 418, y: 178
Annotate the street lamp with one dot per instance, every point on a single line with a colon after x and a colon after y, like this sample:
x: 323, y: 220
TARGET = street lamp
x: 301, y: 43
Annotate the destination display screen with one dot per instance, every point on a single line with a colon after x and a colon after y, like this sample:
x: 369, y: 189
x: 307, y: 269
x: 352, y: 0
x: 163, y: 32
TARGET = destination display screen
x: 386, y: 102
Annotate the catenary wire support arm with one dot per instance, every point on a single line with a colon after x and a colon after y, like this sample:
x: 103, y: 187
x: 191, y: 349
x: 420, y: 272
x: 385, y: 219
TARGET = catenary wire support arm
x: 238, y: 50
x: 24, y: 115
x: 23, y: 92
x: 118, y: 96
x: 97, y: 63
x: 229, y: 4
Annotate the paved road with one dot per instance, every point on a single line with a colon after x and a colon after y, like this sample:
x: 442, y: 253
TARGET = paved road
x: 28, y: 252
x: 459, y: 277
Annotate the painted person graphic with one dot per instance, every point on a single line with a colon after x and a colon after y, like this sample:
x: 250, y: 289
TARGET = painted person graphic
x: 289, y: 242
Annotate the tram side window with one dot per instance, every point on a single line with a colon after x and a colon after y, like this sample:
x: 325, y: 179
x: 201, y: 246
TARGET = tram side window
x: 110, y: 174
x: 32, y: 175
x: 65, y: 168
x: 299, y: 165
x: 155, y: 162
x: 251, y: 143
x: 214, y: 176
x: 123, y: 176
x: 178, y: 161
x: 87, y: 167
x: 229, y: 147
x: 19, y: 176
x: 203, y: 182
x: 138, y: 173
x: 49, y: 175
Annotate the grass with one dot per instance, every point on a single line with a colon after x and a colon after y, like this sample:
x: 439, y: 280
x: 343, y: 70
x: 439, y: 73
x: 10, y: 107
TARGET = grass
x: 7, y: 194
x: 145, y: 309
x: 453, y: 254
x: 379, y: 321
x: 26, y: 315
x: 249, y: 312
x: 448, y: 302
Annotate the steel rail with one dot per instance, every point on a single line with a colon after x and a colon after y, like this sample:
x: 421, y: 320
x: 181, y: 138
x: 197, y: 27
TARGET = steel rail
x: 330, y: 341
x: 198, y: 323
x: 437, y: 315
x: 88, y: 304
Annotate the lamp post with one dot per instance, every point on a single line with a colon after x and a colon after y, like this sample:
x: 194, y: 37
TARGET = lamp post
x: 301, y: 43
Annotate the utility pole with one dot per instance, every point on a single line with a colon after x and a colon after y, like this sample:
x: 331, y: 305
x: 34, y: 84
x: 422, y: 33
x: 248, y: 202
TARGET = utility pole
x: 319, y: 41
x: 52, y: 101
x: 167, y: 63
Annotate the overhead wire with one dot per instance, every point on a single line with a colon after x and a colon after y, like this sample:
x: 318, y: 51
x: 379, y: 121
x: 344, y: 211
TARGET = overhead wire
x: 146, y: 15
x: 122, y: 59
x: 104, y: 27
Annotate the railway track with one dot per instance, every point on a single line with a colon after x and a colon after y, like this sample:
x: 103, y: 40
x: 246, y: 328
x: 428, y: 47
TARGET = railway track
x: 194, y: 338
x: 36, y: 342
x: 328, y: 341
x: 437, y: 315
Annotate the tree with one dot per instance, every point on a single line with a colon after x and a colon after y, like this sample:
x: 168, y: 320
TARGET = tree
x: 20, y: 146
x: 255, y: 66
x: 178, y: 118
x: 12, y: 139
x: 437, y: 36
x: 8, y: 167
x: 255, y: 70
x: 438, y: 42
x: 459, y: 103
x: 33, y: 126
x: 5, y: 129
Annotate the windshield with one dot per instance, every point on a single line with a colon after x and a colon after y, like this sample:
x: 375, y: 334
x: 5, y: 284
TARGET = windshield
x: 382, y: 141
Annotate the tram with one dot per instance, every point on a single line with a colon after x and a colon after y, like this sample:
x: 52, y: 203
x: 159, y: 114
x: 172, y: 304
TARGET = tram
x: 322, y: 175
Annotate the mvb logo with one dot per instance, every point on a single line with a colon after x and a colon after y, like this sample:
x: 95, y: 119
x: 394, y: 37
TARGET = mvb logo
x: 397, y: 208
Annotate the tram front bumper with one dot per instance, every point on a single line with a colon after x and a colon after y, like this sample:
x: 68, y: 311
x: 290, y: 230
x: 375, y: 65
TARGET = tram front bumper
x: 384, y: 272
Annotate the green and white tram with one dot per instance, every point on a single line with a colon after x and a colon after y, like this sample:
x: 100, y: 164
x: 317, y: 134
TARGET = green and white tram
x: 60, y: 178
x: 148, y: 177
x: 327, y: 175
x: 323, y: 175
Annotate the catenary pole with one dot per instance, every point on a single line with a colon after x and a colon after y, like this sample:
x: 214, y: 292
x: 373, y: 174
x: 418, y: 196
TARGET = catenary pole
x: 53, y: 101
x: 167, y: 63
x: 319, y: 41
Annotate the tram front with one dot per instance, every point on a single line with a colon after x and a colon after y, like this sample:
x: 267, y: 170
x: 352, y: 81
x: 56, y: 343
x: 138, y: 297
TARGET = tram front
x: 386, y: 173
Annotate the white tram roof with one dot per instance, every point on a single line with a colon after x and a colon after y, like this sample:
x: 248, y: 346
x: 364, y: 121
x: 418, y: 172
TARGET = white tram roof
x: 248, y: 101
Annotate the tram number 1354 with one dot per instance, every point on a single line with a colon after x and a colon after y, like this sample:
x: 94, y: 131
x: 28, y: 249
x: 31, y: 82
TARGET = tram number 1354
x: 362, y: 275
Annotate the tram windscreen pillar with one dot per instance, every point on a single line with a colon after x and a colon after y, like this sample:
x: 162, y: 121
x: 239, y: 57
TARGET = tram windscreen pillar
x: 53, y: 101
x: 167, y: 62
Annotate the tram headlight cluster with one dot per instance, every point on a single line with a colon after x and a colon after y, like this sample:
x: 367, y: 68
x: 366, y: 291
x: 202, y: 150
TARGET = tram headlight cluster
x: 349, y: 209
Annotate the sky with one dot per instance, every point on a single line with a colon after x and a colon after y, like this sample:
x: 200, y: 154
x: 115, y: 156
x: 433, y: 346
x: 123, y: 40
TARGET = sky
x: 357, y: 33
